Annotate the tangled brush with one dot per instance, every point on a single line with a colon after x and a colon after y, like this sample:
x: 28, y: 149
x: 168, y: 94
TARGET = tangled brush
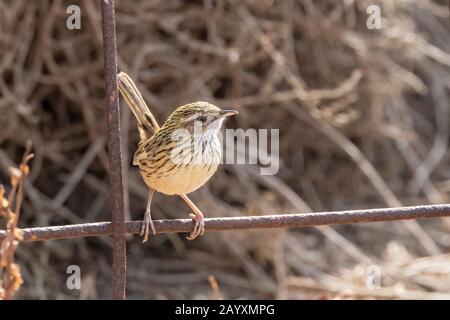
x: 363, y: 118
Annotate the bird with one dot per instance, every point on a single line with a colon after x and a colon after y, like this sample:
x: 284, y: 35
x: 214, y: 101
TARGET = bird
x: 179, y: 157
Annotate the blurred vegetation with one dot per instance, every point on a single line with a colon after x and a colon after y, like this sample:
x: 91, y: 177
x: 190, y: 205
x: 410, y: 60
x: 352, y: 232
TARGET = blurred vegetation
x: 363, y: 118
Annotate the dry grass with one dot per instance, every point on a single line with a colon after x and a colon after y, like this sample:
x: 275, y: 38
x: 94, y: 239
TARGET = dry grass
x: 10, y: 206
x: 363, y: 117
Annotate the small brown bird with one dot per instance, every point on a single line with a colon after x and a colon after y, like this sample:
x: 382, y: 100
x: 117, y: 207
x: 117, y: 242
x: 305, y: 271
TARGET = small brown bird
x: 179, y: 157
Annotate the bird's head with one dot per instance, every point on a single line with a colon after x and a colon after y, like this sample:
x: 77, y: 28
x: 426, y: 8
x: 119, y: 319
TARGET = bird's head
x: 199, y: 115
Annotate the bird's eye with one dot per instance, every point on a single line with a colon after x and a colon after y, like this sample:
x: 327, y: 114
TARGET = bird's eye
x: 202, y: 119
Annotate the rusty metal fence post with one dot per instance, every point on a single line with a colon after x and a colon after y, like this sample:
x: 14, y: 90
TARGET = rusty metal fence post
x: 114, y: 151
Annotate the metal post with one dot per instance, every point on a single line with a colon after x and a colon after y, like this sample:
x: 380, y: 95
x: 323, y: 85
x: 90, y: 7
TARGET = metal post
x: 114, y: 151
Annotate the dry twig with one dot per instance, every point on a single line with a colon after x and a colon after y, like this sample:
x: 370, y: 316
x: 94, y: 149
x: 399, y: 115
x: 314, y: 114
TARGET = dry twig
x: 10, y: 207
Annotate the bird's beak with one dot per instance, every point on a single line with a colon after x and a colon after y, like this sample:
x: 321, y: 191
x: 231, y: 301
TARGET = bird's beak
x: 227, y: 113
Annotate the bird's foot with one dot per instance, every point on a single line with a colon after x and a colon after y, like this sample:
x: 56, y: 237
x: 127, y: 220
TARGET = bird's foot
x: 199, y: 226
x: 147, y: 224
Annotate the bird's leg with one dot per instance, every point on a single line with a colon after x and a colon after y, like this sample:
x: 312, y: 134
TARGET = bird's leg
x: 147, y: 222
x: 199, y: 226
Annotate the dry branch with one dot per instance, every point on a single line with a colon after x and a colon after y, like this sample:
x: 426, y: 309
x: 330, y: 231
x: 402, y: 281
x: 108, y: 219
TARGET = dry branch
x: 10, y: 209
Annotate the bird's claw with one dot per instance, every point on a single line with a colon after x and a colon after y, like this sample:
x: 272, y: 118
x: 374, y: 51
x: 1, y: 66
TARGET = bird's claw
x: 147, y: 224
x: 199, y: 226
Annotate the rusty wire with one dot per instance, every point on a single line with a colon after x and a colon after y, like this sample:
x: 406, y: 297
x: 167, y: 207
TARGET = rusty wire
x: 241, y: 223
x: 114, y: 151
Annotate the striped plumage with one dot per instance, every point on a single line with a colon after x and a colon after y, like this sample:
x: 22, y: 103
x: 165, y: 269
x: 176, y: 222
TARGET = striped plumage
x: 171, y: 165
x: 158, y: 162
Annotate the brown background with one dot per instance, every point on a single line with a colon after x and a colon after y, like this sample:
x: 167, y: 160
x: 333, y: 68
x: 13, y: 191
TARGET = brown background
x: 363, y: 118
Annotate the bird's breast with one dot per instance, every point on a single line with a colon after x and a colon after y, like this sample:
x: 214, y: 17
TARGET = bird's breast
x: 177, y: 177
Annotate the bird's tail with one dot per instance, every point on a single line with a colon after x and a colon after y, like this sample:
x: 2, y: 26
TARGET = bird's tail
x: 147, y: 124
